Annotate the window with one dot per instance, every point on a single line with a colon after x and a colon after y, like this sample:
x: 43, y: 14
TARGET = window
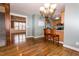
x: 16, y: 24
x: 19, y: 38
x: 19, y: 26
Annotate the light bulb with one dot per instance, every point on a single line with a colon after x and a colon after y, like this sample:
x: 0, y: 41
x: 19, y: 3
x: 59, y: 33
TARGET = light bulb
x: 42, y: 9
x: 51, y: 10
x: 53, y: 6
x: 45, y: 12
x: 46, y: 5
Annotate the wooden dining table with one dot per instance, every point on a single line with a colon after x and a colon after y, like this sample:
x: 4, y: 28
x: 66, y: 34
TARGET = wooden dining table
x: 50, y: 34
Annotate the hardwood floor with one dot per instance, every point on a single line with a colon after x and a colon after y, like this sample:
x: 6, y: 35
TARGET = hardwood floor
x: 35, y: 47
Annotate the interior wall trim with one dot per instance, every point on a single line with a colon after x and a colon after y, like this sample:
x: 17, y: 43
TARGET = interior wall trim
x: 34, y: 36
x: 29, y: 36
x: 18, y: 15
x: 70, y: 47
x: 39, y: 36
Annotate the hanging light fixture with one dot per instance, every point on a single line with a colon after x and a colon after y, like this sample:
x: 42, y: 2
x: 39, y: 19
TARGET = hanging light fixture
x: 41, y: 9
x: 47, y: 10
x: 46, y: 5
x: 53, y: 6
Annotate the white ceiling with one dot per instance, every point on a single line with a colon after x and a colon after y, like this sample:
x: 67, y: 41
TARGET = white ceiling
x: 30, y: 8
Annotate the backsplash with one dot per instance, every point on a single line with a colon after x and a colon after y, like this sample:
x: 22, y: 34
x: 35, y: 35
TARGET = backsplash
x: 55, y: 24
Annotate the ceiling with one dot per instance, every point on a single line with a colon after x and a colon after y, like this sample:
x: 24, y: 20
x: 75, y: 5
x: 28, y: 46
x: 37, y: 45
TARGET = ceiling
x: 31, y: 8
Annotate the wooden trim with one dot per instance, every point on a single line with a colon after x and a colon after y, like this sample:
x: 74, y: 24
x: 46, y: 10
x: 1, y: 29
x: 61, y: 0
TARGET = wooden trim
x: 7, y: 22
x: 18, y: 18
x: 18, y: 31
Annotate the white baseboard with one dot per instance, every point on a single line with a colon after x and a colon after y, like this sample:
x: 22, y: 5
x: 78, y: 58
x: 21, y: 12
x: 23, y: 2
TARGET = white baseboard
x: 38, y: 36
x: 61, y: 42
x: 70, y: 47
x: 34, y: 36
x: 29, y: 36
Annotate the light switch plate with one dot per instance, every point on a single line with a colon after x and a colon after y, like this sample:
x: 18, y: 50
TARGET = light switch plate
x: 77, y: 43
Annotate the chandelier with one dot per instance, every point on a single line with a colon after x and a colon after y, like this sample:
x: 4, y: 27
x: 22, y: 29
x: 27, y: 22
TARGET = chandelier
x: 47, y: 10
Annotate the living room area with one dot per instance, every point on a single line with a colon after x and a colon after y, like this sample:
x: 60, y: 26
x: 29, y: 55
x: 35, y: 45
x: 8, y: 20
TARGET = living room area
x: 39, y: 29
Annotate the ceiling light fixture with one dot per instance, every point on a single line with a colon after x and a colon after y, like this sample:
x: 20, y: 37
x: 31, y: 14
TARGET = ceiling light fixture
x: 47, y: 10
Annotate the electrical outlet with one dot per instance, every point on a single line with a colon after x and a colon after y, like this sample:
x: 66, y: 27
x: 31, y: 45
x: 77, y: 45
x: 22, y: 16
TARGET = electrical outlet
x: 77, y: 43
